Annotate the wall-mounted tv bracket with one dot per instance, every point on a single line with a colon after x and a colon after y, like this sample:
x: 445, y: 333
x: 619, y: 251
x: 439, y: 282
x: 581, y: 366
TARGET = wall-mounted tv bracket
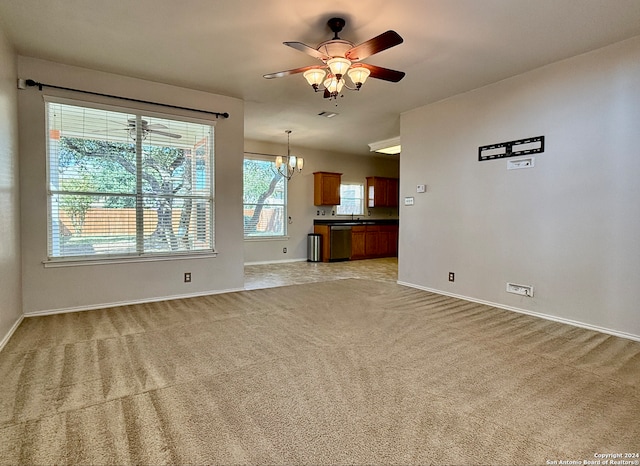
x: 511, y: 148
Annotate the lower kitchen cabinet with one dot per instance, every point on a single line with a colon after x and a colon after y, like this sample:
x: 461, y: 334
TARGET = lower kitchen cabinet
x: 371, y: 241
x: 358, y: 238
x: 392, y: 231
x: 367, y: 241
x: 325, y: 232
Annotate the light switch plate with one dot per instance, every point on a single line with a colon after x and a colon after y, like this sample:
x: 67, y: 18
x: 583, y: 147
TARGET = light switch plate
x: 421, y: 188
x: 408, y: 200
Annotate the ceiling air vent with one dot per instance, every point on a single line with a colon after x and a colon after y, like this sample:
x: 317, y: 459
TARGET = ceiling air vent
x: 328, y: 114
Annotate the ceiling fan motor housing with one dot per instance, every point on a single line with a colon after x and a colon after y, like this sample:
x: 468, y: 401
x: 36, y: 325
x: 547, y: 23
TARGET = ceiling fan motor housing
x: 336, y: 25
x: 335, y: 47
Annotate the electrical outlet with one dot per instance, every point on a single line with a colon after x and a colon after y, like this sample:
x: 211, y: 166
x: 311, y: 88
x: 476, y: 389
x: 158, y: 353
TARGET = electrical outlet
x: 284, y: 250
x: 521, y: 163
x: 187, y: 277
x: 452, y: 276
x: 522, y: 290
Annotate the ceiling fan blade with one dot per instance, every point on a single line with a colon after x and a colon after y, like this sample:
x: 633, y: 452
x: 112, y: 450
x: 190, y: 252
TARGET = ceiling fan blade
x: 308, y: 50
x: 385, y: 74
x: 156, y: 126
x: 281, y: 74
x: 384, y: 41
x: 164, y: 133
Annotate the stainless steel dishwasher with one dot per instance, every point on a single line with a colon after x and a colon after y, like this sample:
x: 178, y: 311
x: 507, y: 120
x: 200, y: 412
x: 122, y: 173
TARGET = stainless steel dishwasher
x: 340, y: 243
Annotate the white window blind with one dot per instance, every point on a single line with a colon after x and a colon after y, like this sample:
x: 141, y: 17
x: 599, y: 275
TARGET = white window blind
x: 124, y: 183
x: 351, y: 199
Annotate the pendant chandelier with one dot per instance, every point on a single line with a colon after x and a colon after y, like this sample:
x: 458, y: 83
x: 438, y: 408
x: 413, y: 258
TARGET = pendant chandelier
x: 287, y: 166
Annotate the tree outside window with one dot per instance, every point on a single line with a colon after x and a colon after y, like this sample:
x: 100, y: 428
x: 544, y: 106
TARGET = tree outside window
x: 264, y: 199
x: 127, y: 184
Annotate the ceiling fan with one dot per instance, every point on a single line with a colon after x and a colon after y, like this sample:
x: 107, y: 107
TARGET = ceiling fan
x: 155, y: 128
x: 340, y: 57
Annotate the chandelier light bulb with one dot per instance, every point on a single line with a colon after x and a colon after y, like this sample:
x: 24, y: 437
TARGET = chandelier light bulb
x: 286, y: 166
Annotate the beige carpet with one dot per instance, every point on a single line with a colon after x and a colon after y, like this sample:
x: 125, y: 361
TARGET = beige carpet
x: 343, y: 372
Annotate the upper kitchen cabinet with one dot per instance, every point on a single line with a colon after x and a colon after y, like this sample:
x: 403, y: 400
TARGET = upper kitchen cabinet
x: 382, y: 192
x: 326, y: 188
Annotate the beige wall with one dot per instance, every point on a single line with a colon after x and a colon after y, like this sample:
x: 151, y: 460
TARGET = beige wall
x: 569, y: 226
x: 300, y: 196
x: 10, y: 267
x: 89, y: 286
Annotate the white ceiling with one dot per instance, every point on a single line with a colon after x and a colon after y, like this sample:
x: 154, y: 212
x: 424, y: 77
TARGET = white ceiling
x: 224, y: 47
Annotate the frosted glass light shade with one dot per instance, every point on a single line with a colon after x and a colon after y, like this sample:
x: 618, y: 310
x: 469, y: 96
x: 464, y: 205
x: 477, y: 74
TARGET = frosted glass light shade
x: 300, y: 163
x: 333, y: 85
x: 359, y: 74
x: 314, y: 76
x: 278, y: 161
x: 338, y: 65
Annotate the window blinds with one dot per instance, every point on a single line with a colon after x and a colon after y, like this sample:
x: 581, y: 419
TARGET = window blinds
x: 125, y: 183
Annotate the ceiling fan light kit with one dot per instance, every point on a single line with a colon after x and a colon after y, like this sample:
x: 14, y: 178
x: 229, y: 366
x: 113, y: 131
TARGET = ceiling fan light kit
x: 340, y: 57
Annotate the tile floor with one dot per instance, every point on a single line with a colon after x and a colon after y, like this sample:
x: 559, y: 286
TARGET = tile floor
x: 293, y: 273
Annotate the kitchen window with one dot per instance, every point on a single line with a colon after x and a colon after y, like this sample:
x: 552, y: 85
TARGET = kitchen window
x: 264, y: 199
x: 127, y: 184
x: 351, y: 199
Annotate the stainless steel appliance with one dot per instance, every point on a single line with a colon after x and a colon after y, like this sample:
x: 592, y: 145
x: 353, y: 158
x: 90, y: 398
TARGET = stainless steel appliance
x: 340, y: 243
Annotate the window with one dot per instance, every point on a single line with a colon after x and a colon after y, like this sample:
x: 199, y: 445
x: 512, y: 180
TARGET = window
x: 264, y: 199
x: 351, y: 199
x: 125, y: 183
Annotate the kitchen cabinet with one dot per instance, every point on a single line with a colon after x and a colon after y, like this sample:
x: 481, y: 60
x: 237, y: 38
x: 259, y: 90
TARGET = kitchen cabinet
x: 370, y: 241
x: 382, y: 192
x: 388, y: 241
x: 358, y: 238
x: 392, y: 232
x: 326, y: 188
x: 325, y: 232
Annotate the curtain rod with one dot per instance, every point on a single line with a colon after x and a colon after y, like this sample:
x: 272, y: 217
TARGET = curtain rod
x: 32, y: 83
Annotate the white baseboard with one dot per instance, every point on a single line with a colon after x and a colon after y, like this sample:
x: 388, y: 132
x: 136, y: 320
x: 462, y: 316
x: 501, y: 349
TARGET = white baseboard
x: 6, y: 338
x: 562, y: 320
x: 275, y: 262
x: 93, y: 307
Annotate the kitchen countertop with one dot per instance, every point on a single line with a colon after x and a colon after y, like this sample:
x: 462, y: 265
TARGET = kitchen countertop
x: 346, y: 222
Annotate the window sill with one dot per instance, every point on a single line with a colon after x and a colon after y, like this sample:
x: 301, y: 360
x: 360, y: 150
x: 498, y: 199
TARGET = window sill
x: 84, y: 261
x: 266, y: 238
